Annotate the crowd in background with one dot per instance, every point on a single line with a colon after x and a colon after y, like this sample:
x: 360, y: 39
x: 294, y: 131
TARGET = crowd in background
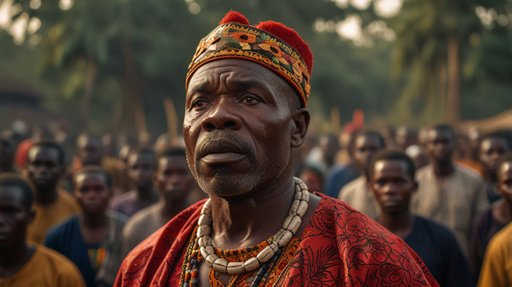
x: 95, y: 198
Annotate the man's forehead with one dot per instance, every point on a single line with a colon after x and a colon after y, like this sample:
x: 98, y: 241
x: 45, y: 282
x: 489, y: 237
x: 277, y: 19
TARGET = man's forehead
x: 235, y: 72
x: 46, y: 151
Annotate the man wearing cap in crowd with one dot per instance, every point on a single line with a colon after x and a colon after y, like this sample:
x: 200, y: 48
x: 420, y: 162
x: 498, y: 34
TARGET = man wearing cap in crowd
x: 245, y: 111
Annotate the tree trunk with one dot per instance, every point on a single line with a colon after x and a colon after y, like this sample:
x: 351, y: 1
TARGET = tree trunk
x: 90, y: 80
x: 132, y: 90
x: 453, y: 96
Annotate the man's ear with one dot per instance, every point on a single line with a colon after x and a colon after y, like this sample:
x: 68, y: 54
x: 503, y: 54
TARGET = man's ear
x: 300, y: 120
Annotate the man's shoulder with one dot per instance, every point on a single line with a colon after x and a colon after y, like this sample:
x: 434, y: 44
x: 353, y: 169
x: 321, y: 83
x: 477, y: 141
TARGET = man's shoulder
x: 502, y: 240
x: 48, y: 258
x: 141, y: 217
x: 439, y: 232
x: 163, y: 239
x: 345, y: 220
x: 352, y: 187
x: 58, y: 232
x: 66, y: 200
x: 468, y: 174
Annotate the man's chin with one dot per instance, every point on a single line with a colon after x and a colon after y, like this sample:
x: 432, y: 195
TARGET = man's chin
x: 226, y: 186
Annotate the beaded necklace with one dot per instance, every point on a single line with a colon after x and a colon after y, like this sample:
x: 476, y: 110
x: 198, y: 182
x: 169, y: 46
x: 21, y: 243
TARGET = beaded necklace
x: 200, y: 247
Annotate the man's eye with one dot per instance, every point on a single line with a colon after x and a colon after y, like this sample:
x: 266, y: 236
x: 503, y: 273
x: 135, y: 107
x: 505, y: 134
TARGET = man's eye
x: 249, y: 99
x: 199, y: 104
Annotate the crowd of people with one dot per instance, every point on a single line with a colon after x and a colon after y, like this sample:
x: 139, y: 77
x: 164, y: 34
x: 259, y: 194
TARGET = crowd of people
x: 370, y: 207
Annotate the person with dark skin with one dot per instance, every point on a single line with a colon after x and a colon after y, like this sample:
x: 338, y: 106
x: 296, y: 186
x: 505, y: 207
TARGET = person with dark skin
x: 89, y: 150
x: 491, y: 149
x: 92, y: 238
x: 45, y: 166
x: 175, y: 184
x: 357, y: 193
x: 392, y: 180
x: 141, y: 167
x: 448, y: 193
x: 260, y: 226
x: 495, y: 218
x: 21, y: 263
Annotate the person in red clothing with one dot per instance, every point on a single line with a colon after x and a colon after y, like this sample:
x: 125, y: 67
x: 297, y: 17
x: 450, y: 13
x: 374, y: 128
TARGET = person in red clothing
x: 247, y: 89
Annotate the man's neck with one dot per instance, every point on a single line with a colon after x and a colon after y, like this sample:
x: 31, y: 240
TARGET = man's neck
x: 94, y: 221
x: 443, y: 169
x: 145, y: 193
x: 46, y: 196
x: 242, y: 222
x: 13, y: 259
x: 502, y: 211
x: 400, y: 224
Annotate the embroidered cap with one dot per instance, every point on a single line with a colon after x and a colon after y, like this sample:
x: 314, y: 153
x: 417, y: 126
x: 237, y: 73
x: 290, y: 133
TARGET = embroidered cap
x: 271, y: 44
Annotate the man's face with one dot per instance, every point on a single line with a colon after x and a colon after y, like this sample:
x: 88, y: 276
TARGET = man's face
x: 491, y: 151
x: 173, y: 178
x: 92, y: 192
x: 505, y: 180
x: 89, y: 151
x: 439, y: 145
x: 43, y: 167
x: 392, y: 186
x: 365, y: 147
x: 14, y: 217
x: 141, y: 169
x: 238, y: 127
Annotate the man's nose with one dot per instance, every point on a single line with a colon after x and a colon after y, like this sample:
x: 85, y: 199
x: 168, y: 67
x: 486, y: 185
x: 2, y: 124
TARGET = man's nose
x: 221, y: 116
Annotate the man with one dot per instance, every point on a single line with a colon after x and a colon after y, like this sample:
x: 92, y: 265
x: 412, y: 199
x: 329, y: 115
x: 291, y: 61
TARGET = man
x: 91, y: 239
x: 495, y: 218
x: 496, y: 267
x: 491, y: 149
x: 341, y: 175
x: 141, y: 167
x: 22, y: 264
x: 45, y: 166
x: 357, y: 193
x: 448, y: 193
x: 247, y: 90
x: 90, y: 151
x: 392, y: 180
x: 174, y: 183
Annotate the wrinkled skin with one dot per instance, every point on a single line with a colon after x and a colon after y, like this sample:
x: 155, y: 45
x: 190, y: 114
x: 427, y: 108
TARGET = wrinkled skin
x: 239, y: 127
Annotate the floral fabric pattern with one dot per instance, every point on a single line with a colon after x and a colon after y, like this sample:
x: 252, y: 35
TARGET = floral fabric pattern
x: 339, y: 247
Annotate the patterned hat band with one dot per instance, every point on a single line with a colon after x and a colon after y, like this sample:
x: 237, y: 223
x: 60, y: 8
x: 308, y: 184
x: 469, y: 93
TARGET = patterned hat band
x: 234, y: 40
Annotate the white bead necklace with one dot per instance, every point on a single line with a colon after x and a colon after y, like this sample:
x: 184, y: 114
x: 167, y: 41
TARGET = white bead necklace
x: 280, y: 239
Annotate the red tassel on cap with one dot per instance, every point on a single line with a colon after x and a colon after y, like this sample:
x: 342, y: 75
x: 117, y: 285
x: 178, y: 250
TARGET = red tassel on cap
x: 291, y: 37
x: 234, y: 16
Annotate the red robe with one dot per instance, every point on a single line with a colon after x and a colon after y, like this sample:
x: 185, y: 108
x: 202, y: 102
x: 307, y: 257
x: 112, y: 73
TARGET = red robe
x: 339, y: 247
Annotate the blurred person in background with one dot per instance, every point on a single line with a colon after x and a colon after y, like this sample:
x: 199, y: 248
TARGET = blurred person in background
x: 91, y: 239
x: 344, y: 172
x: 491, y: 150
x: 406, y: 137
x: 23, y: 263
x: 448, y: 193
x: 140, y: 169
x: 357, y: 193
x: 495, y: 218
x: 45, y: 166
x: 392, y: 180
x: 175, y: 185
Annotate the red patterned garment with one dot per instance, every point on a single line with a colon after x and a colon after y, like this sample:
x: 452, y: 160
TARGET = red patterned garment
x: 339, y: 247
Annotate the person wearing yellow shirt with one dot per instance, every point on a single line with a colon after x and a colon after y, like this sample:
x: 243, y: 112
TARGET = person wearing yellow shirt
x: 23, y: 264
x: 45, y: 165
